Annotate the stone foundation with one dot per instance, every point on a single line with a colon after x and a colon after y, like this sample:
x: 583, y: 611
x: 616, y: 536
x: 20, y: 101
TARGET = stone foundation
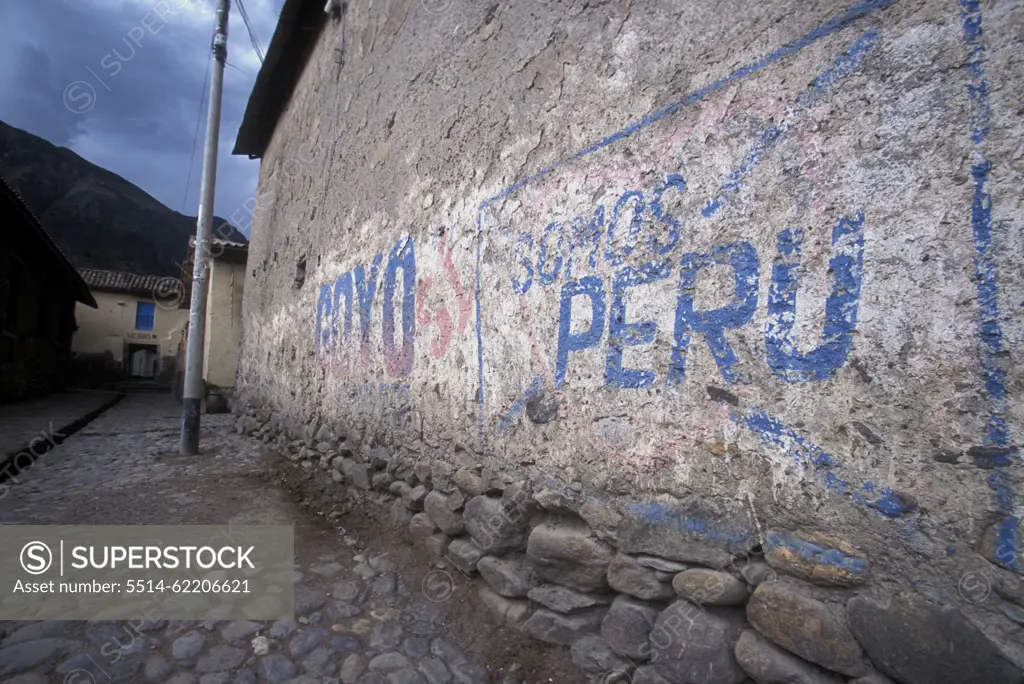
x: 670, y: 593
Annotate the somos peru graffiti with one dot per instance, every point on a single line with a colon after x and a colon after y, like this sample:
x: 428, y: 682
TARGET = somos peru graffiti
x: 719, y: 270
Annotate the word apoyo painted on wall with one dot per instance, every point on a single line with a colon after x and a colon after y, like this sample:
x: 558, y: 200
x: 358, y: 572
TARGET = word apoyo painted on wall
x: 385, y: 294
x: 357, y: 290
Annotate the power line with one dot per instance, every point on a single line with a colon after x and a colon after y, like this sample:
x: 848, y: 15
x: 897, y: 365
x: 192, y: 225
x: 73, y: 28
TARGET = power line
x: 256, y: 45
x: 195, y: 140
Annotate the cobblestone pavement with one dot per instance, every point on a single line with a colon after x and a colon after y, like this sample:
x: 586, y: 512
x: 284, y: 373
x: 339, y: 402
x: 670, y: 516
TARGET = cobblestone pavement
x: 356, y: 620
x: 26, y: 422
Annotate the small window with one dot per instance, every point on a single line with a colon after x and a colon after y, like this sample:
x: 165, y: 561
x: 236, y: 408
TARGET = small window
x: 144, y: 313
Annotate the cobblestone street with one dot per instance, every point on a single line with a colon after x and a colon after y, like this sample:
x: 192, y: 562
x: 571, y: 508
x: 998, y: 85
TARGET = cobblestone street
x: 34, y: 426
x: 360, y: 615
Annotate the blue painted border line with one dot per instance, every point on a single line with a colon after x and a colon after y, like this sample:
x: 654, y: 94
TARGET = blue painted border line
x: 675, y: 517
x: 773, y: 432
x: 826, y: 29
x: 812, y: 552
x: 532, y: 392
x: 657, y: 513
x: 981, y: 224
x: 769, y: 138
x: 1008, y: 544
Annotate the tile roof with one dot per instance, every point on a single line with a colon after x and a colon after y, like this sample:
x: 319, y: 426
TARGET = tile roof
x: 298, y: 28
x: 118, y: 281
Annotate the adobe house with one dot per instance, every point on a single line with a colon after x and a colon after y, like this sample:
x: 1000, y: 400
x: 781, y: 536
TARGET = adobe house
x: 39, y: 292
x: 227, y: 261
x: 664, y: 291
x: 135, y: 330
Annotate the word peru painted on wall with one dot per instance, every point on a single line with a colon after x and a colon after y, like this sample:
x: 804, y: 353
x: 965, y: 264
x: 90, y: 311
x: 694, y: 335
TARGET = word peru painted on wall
x: 737, y: 236
x: 736, y: 264
x: 623, y: 266
x: 583, y: 242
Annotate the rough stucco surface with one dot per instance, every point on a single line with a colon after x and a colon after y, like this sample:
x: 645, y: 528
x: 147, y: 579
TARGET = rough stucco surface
x: 478, y: 150
x: 223, y: 322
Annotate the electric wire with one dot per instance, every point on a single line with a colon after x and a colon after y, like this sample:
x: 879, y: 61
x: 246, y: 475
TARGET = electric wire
x: 256, y: 45
x: 195, y: 139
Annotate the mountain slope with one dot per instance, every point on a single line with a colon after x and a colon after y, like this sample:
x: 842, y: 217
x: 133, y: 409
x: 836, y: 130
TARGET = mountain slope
x: 99, y: 219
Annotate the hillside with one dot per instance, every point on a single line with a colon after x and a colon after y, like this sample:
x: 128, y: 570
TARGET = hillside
x: 99, y: 219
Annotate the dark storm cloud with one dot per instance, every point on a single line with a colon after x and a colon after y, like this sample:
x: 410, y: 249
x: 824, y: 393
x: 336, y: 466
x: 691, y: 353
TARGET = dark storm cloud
x: 37, y: 87
x: 120, y: 82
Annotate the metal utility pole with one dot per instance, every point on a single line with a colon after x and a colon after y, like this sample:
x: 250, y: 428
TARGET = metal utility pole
x: 193, y: 391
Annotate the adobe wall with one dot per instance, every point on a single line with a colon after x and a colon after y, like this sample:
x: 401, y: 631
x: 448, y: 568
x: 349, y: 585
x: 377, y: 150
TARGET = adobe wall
x: 223, y: 323
x: 747, y: 276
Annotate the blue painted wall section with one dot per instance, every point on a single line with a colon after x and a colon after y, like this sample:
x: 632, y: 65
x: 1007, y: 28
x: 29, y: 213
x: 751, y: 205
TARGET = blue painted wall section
x: 547, y: 274
x: 322, y: 337
x: 815, y: 557
x: 845, y: 266
x: 699, y: 527
x: 676, y: 182
x: 742, y: 258
x: 624, y: 235
x: 533, y: 391
x: 592, y: 288
x: 399, y: 359
x: 366, y: 290
x: 360, y: 286
x: 524, y: 246
x: 694, y: 524
x: 586, y: 231
x: 342, y: 288
x: 1009, y: 546
x: 622, y: 333
x: 773, y: 432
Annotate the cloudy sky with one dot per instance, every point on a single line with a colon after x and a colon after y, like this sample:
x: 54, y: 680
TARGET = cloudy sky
x: 119, y: 82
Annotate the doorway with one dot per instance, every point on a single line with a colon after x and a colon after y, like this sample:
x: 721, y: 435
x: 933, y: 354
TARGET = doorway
x: 143, y: 360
